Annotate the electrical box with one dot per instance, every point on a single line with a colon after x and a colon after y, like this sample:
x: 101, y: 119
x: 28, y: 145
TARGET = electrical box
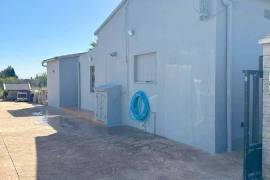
x: 108, y: 104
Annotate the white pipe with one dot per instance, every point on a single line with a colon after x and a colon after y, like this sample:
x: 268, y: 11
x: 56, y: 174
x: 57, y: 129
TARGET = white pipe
x: 79, y: 84
x: 229, y: 4
x: 127, y: 48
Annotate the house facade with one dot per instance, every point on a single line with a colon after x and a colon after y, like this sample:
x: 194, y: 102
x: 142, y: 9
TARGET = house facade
x: 63, y: 80
x: 266, y: 108
x: 17, y: 92
x: 188, y: 57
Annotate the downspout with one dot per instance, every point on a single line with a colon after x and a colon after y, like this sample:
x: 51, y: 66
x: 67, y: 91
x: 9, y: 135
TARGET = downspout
x: 44, y: 63
x: 127, y: 49
x: 79, y: 84
x: 229, y: 4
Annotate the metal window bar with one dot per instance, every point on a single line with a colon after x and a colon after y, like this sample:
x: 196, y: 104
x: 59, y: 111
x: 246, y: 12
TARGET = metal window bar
x: 253, y: 125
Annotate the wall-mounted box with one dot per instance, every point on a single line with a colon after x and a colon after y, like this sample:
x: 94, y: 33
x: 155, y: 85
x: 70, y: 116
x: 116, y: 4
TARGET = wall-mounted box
x: 108, y: 104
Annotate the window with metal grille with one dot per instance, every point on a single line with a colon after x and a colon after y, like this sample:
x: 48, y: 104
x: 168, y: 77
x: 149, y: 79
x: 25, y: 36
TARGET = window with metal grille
x: 92, y: 79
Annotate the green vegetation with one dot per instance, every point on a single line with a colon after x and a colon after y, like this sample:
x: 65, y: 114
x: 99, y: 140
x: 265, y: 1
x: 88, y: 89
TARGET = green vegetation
x: 39, y: 81
x: 93, y: 45
x: 8, y: 72
x: 8, y: 75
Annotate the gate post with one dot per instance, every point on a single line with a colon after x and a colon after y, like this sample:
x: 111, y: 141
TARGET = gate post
x: 266, y: 107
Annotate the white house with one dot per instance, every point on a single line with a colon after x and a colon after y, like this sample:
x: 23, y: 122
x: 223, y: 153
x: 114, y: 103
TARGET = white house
x: 63, y: 80
x: 188, y: 56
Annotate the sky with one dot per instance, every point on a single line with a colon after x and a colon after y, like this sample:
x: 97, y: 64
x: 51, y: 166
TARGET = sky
x: 34, y: 30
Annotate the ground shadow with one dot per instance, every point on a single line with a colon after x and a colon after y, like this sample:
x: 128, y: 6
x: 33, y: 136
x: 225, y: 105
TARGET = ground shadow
x: 83, y: 150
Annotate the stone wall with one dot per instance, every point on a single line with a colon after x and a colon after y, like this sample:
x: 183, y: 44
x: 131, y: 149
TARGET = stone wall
x: 266, y: 108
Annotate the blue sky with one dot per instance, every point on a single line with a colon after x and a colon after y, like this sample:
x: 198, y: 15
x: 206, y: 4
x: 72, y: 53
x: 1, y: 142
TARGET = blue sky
x: 33, y: 30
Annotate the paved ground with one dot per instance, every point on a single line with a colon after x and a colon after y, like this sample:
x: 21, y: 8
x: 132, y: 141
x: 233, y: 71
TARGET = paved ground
x: 41, y: 143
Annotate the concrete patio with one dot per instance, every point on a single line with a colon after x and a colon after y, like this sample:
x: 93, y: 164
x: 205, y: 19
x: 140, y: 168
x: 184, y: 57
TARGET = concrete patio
x: 42, y: 143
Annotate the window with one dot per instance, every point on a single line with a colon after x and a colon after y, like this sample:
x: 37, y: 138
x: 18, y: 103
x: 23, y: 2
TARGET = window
x: 92, y: 79
x: 267, y: 13
x: 145, y: 68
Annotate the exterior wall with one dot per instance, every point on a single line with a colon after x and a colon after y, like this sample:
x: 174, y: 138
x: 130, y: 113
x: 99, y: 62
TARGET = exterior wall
x: 12, y: 95
x: 87, y: 97
x: 53, y: 84
x: 183, y: 98
x: 266, y: 112
x: 189, y: 53
x: 220, y: 79
x: 68, y: 82
x: 246, y: 30
x: 110, y: 69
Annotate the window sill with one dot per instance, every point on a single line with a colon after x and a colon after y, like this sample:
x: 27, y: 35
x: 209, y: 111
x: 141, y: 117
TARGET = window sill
x: 146, y: 82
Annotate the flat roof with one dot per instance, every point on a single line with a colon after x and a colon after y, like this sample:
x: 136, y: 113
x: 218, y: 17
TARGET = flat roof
x: 65, y: 56
x: 58, y: 57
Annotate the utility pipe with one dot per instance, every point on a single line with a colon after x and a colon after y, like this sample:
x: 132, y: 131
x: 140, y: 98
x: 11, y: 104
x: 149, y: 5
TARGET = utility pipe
x: 79, y: 85
x: 44, y: 63
x: 127, y: 47
x: 229, y: 4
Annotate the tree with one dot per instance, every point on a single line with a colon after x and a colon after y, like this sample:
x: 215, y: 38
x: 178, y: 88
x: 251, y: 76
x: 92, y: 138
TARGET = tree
x: 40, y: 80
x: 8, y: 72
x: 93, y: 45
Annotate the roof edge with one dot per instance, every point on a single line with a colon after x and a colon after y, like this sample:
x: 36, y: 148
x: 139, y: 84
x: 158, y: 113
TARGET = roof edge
x: 265, y: 40
x: 63, y: 56
x: 122, y: 3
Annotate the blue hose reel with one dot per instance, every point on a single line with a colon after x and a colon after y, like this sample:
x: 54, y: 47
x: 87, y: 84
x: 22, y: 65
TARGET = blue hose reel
x: 139, y: 107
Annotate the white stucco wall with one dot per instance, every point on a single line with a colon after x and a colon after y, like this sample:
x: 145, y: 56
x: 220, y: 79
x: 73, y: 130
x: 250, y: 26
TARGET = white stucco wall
x: 53, y: 83
x: 266, y: 108
x: 185, y: 87
x: 190, y: 91
x: 87, y: 97
x: 185, y: 65
x: 248, y: 25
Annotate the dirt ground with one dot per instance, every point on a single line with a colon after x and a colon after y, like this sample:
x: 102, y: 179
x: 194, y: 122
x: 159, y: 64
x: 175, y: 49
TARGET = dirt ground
x: 42, y: 143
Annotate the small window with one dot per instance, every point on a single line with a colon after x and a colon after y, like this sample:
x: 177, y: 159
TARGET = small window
x: 145, y: 68
x: 92, y: 79
x: 267, y: 13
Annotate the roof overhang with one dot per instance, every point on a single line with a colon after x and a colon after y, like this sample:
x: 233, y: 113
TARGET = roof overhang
x: 265, y: 40
x: 45, y: 62
x: 122, y: 3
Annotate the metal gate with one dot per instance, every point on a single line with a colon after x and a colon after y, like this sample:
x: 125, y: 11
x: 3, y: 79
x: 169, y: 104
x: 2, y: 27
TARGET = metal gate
x: 253, y: 125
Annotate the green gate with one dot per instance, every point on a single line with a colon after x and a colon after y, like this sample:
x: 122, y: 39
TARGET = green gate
x: 253, y: 125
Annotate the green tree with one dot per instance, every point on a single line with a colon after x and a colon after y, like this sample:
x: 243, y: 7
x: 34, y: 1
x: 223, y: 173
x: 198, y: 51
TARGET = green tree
x: 8, y: 72
x: 40, y: 80
x: 93, y: 45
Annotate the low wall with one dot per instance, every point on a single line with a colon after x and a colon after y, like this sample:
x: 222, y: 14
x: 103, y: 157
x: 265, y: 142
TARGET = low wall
x: 266, y: 108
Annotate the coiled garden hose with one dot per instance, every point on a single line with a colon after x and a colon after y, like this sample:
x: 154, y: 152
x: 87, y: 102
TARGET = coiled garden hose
x: 139, y: 107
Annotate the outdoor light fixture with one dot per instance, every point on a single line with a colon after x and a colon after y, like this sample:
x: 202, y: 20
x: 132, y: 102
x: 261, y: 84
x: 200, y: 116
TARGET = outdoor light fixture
x: 131, y: 32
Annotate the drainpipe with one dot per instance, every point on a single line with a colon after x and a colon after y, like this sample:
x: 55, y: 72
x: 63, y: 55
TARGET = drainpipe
x: 44, y: 63
x: 229, y: 4
x: 127, y: 48
x: 79, y: 85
